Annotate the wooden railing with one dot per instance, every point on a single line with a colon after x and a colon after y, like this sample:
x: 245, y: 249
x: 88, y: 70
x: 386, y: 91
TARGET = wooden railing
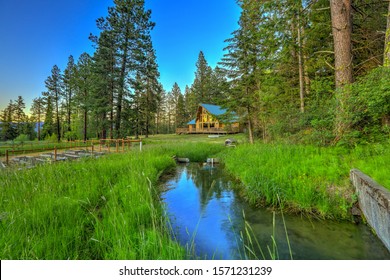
x: 186, y: 130
x: 101, y: 145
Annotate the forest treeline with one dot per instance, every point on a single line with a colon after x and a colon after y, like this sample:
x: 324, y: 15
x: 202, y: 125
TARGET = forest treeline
x: 307, y: 71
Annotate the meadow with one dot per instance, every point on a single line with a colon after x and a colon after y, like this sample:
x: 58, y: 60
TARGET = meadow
x: 91, y: 209
x: 109, y: 208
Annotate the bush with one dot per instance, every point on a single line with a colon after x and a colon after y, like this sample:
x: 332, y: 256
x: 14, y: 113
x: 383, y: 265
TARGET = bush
x: 71, y: 135
x: 22, y: 138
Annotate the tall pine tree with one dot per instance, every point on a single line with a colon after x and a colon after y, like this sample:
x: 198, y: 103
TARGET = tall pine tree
x: 54, y: 85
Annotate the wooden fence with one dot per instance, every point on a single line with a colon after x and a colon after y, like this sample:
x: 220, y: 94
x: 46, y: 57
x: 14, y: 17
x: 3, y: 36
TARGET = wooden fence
x: 101, y: 145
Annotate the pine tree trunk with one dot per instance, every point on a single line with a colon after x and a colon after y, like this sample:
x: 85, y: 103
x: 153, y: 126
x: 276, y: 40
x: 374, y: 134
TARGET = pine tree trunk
x: 386, y: 58
x: 85, y: 124
x: 300, y: 64
x: 39, y: 126
x: 57, y: 119
x: 112, y: 111
x: 147, y: 116
x: 341, y: 29
x: 250, y: 129
x: 69, y: 109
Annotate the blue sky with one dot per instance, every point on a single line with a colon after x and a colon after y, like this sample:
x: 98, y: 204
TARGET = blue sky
x: 35, y: 35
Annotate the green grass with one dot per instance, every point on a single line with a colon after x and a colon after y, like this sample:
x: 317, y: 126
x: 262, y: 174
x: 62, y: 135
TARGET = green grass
x: 30, y: 146
x: 106, y: 208
x: 374, y: 160
x: 93, y: 209
x: 305, y: 179
x: 195, y: 147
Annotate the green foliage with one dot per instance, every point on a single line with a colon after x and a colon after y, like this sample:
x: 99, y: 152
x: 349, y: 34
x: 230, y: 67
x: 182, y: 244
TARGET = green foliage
x: 51, y: 138
x: 297, y: 178
x: 373, y: 92
x: 71, y: 135
x: 22, y: 138
x: 368, y: 109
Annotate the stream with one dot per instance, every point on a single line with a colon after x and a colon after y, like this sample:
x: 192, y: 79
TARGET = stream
x: 208, y: 217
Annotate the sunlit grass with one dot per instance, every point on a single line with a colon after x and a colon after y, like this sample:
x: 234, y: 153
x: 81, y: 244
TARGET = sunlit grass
x: 307, y: 179
x: 92, y: 209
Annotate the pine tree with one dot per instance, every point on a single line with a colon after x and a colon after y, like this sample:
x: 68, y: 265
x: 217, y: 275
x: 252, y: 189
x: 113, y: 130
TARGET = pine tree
x: 160, y: 106
x: 367, y: 42
x: 105, y: 76
x: 219, y: 86
x: 84, y: 82
x: 48, y: 125
x: 8, y: 130
x: 54, y: 85
x: 149, y: 72
x: 342, y: 29
x: 136, y: 105
x: 180, y: 112
x: 37, y: 113
x: 201, y: 86
x: 19, y: 117
x: 130, y: 24
x: 69, y: 90
x: 249, y: 57
x: 190, y: 104
x: 386, y: 53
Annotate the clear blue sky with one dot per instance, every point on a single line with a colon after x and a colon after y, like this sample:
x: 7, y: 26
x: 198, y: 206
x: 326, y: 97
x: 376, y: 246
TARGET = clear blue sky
x: 35, y: 35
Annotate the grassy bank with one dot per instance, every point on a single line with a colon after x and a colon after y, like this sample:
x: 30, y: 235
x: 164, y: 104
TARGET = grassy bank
x: 93, y: 209
x: 303, y: 178
x: 104, y: 208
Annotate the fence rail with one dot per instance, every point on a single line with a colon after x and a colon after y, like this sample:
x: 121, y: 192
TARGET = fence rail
x: 101, y: 145
x: 211, y: 130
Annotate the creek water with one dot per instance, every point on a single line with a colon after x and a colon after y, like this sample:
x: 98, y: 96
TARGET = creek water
x: 209, y: 218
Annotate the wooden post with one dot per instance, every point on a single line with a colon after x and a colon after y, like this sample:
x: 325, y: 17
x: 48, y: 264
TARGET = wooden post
x: 109, y: 144
x: 6, y: 157
x: 123, y: 145
x: 91, y: 148
x: 117, y: 145
x: 100, y: 146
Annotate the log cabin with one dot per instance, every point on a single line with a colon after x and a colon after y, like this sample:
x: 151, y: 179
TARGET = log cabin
x: 212, y: 119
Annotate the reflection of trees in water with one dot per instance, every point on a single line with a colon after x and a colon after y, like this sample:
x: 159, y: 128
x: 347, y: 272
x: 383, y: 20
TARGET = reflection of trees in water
x: 207, y: 204
x: 210, y: 181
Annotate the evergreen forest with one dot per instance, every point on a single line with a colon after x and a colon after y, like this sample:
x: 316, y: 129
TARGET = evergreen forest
x: 309, y: 71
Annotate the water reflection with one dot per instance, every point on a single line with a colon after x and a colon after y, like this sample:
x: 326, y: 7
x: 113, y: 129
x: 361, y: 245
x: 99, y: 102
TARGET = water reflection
x: 206, y: 216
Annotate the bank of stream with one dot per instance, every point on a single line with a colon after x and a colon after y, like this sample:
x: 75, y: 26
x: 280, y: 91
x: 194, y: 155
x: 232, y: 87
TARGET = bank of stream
x: 208, y: 217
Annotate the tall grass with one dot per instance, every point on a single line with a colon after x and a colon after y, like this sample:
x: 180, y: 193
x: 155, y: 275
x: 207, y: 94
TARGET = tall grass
x: 93, y: 209
x: 307, y: 179
x: 195, y: 151
x: 374, y: 160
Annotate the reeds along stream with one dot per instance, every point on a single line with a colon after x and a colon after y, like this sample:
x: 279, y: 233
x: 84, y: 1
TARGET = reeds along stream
x: 208, y: 217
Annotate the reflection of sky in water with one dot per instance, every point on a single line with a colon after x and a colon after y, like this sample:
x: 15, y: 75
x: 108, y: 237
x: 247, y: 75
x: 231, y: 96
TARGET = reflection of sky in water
x: 202, y: 208
x: 207, y: 220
